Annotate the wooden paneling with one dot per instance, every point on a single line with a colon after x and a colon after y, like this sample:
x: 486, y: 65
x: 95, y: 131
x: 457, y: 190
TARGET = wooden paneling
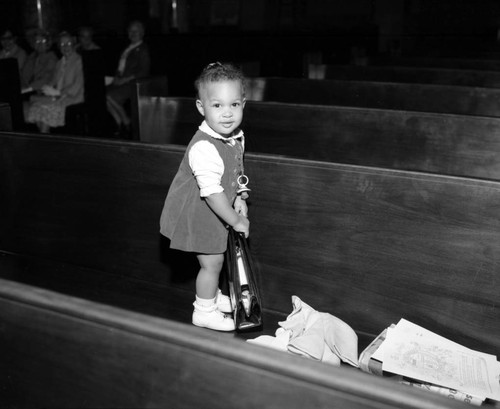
x: 414, y: 75
x: 490, y: 64
x: 145, y: 96
x: 441, y: 143
x: 60, y: 351
x: 368, y: 245
x: 449, y: 99
x: 10, y: 90
x: 5, y: 117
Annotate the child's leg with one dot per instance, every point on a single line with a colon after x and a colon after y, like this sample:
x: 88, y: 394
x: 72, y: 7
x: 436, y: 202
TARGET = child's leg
x: 206, y: 314
x: 207, y: 281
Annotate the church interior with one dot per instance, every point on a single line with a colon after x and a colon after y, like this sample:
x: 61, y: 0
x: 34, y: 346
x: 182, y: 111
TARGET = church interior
x: 370, y: 272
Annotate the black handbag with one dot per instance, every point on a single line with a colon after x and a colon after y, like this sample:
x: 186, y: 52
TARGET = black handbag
x: 243, y: 285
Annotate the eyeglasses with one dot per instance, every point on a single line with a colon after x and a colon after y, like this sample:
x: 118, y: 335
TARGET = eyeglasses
x: 67, y: 44
x: 41, y: 41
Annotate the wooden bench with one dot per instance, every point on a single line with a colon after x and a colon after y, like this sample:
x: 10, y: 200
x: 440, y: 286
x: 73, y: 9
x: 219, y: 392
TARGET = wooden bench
x: 368, y: 245
x: 88, y: 118
x: 101, y: 356
x: 449, y: 99
x: 441, y: 62
x: 440, y: 143
x: 411, y: 75
x: 144, y: 102
x: 10, y: 91
x: 5, y: 117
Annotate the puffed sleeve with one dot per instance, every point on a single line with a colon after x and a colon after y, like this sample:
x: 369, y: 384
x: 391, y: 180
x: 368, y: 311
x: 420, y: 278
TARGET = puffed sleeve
x: 207, y: 166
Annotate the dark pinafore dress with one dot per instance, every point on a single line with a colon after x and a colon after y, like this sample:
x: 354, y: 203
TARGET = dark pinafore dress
x: 186, y: 219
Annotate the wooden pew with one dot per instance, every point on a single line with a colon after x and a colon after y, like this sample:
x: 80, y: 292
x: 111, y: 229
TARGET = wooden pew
x: 442, y: 62
x: 412, y: 75
x: 143, y: 104
x: 10, y: 90
x: 5, y: 117
x: 440, y: 143
x: 88, y: 118
x: 61, y: 351
x: 449, y: 99
x: 368, y: 245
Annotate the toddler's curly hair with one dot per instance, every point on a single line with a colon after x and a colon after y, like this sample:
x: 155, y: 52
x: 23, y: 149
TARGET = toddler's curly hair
x: 216, y: 72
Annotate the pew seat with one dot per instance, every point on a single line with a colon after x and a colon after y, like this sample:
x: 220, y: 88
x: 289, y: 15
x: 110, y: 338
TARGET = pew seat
x: 100, y: 286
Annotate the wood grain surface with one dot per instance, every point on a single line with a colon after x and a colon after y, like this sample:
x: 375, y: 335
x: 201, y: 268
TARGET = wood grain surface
x: 450, y: 99
x: 369, y: 245
x: 415, y: 75
x: 459, y: 145
x: 60, y: 351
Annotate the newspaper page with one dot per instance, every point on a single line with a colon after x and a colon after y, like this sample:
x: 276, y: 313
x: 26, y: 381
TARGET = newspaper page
x: 415, y: 352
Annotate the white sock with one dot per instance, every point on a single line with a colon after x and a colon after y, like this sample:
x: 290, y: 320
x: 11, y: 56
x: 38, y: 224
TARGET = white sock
x: 205, y: 302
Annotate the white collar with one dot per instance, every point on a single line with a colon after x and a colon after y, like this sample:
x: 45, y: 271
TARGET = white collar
x: 204, y: 127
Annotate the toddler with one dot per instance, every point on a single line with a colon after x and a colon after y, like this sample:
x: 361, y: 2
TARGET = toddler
x: 204, y: 197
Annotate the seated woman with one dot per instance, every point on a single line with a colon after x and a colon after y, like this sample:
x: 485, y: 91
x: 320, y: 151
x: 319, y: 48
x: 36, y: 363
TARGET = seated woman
x: 40, y: 65
x: 135, y: 62
x: 65, y: 88
x: 10, y: 49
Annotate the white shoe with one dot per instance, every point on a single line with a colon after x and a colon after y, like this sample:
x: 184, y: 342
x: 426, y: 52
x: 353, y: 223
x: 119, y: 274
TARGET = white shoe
x: 223, y: 303
x: 212, y: 318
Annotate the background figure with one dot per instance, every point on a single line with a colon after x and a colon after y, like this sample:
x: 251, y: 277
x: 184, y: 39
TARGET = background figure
x: 134, y: 63
x: 65, y: 88
x: 40, y: 65
x: 86, y: 40
x: 10, y: 49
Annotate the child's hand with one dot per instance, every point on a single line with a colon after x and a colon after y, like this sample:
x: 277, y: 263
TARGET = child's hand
x: 242, y: 226
x: 240, y: 206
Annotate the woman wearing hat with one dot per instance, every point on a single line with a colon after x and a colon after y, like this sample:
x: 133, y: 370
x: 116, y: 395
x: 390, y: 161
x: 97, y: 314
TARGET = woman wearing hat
x: 65, y: 88
x: 10, y: 49
x: 39, y: 67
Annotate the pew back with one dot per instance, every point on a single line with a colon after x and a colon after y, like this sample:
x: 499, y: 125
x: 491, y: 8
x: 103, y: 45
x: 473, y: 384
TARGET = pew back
x: 440, y: 143
x: 144, y: 101
x: 442, y: 62
x: 413, y: 75
x: 100, y: 356
x: 368, y: 245
x: 451, y: 99
x: 10, y: 90
x: 5, y: 117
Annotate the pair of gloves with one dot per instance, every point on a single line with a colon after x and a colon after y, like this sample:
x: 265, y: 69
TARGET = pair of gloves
x: 50, y: 91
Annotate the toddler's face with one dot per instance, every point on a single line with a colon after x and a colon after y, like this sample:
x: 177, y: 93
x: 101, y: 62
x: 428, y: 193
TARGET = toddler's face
x: 222, y: 103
